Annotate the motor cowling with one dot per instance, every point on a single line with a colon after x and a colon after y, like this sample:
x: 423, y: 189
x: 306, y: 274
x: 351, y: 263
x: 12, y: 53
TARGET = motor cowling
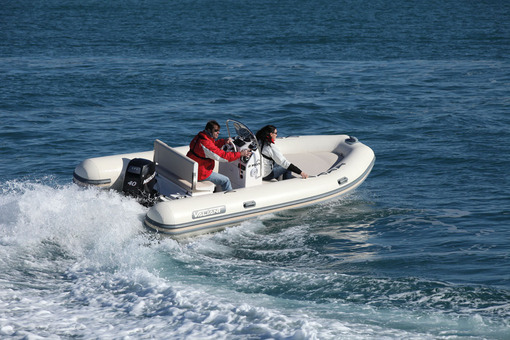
x: 139, y: 181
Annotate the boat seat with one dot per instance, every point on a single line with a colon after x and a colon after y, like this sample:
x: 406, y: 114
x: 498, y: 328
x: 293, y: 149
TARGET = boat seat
x: 179, y: 169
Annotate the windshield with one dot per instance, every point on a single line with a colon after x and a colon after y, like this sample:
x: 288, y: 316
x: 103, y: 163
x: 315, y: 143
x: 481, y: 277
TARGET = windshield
x: 241, y: 130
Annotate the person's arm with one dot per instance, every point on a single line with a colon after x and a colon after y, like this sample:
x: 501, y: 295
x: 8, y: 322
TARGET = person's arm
x: 276, y: 155
x: 211, y: 150
x: 297, y: 170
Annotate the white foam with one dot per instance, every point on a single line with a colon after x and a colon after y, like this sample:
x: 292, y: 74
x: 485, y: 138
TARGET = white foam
x: 78, y: 263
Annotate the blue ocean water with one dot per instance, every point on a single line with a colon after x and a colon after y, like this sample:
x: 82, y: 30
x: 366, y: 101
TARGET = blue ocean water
x: 419, y: 251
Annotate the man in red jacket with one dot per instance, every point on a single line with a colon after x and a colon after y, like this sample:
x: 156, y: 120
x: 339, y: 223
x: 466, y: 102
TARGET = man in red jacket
x: 205, y: 148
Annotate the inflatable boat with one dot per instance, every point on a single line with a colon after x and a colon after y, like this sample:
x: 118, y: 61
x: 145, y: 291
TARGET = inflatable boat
x: 165, y: 180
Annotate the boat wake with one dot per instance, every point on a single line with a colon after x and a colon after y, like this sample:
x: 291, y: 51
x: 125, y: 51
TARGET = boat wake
x: 77, y: 262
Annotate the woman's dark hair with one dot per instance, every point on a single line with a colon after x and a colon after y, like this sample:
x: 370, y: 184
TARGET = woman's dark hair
x: 263, y: 135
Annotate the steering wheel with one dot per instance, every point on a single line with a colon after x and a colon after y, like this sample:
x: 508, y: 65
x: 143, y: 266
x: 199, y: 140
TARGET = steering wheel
x: 229, y: 147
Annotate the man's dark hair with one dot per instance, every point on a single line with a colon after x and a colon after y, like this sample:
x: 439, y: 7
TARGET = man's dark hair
x: 211, y: 125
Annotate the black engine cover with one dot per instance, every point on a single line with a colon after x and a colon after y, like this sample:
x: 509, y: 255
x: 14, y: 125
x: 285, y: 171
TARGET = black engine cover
x: 139, y: 180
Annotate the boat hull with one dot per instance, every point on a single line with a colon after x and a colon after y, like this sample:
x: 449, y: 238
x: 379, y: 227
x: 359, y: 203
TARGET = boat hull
x: 203, y: 215
x: 337, y: 165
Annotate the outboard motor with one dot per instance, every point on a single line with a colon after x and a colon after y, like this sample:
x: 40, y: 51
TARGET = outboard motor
x: 139, y: 181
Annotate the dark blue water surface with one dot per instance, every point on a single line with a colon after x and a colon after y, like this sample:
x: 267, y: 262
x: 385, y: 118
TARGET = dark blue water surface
x: 419, y: 251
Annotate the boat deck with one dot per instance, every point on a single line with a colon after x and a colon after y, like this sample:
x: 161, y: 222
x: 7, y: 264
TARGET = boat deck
x: 311, y: 163
x: 316, y: 162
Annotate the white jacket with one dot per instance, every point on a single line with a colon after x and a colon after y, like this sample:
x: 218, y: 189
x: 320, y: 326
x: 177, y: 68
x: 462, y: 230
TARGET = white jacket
x: 273, y: 152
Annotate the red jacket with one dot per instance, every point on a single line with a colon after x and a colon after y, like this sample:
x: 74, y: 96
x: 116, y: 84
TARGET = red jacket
x: 205, y: 150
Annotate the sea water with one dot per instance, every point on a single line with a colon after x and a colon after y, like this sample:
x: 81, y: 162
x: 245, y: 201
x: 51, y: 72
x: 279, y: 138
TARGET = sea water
x: 419, y: 251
